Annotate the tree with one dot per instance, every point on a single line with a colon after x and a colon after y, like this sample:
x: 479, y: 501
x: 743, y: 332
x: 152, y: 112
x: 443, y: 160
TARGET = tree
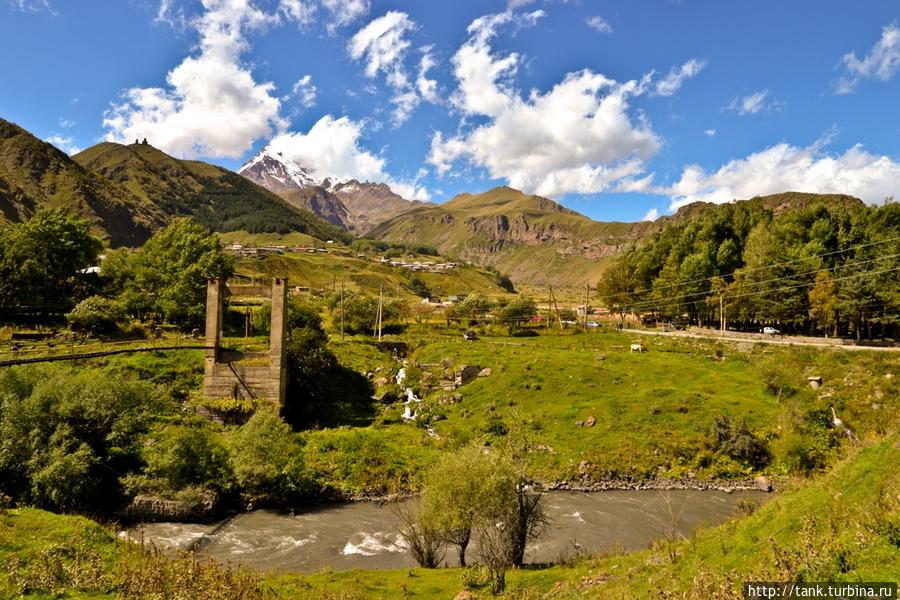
x: 170, y: 273
x: 361, y: 311
x: 474, y: 307
x: 454, y: 493
x: 65, y: 435
x: 41, y: 261
x: 418, y: 286
x: 486, y: 494
x: 824, y: 302
x: 423, y: 542
x: 520, y: 310
x: 96, y: 313
x: 266, y: 459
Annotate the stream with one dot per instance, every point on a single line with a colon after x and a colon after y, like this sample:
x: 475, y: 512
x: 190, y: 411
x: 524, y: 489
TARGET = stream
x: 364, y: 535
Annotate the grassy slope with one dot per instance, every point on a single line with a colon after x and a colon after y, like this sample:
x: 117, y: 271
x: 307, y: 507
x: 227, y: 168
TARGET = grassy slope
x: 842, y: 527
x: 653, y: 410
x: 319, y: 271
x: 34, y: 175
x: 454, y: 229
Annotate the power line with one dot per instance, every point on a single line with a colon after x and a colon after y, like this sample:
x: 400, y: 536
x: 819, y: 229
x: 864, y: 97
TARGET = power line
x: 785, y: 288
x: 771, y: 266
x: 753, y: 283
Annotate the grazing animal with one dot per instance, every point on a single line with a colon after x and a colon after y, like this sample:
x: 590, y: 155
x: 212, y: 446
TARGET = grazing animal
x: 638, y: 348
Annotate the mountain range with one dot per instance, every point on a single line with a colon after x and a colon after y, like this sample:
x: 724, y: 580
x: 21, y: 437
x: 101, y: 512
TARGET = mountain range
x: 128, y: 191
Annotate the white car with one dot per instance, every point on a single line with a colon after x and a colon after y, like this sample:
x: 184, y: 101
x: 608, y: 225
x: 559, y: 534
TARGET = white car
x: 770, y: 331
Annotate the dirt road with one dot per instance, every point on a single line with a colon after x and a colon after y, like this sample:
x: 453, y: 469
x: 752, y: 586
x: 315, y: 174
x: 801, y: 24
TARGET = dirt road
x: 759, y: 338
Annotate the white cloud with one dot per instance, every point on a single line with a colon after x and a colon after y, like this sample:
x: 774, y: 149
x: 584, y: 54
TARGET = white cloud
x: 484, y: 81
x: 305, y: 91
x: 34, y: 6
x: 382, y: 43
x: 577, y: 137
x: 513, y: 4
x: 784, y: 167
x: 672, y: 82
x: 64, y: 143
x: 652, y: 215
x: 427, y: 88
x: 66, y: 123
x: 345, y: 12
x: 332, y: 148
x: 882, y: 61
x: 709, y: 132
x: 599, y: 23
x: 299, y: 11
x: 212, y: 106
x: 383, y: 46
x: 754, y: 103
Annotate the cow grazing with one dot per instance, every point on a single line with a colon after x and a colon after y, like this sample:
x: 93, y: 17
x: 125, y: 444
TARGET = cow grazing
x: 638, y: 348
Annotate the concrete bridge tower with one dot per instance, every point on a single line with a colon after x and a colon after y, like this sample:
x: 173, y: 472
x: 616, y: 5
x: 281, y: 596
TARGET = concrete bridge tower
x: 250, y: 375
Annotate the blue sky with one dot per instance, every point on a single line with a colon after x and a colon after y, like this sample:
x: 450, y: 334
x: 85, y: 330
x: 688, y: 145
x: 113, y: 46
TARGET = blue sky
x: 619, y: 109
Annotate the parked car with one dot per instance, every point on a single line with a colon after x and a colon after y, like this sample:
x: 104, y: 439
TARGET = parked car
x: 593, y: 324
x: 770, y: 331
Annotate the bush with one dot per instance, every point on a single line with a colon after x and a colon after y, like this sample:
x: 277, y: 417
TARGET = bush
x: 189, y: 455
x: 739, y: 443
x: 267, y: 461
x: 96, y: 313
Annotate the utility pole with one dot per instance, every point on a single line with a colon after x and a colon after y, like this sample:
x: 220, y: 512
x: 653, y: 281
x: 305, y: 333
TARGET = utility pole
x: 342, y: 311
x: 556, y: 308
x: 721, y: 313
x: 380, y: 310
x: 587, y: 299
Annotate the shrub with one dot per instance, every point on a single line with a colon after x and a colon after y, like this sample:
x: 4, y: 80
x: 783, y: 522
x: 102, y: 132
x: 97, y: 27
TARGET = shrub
x: 96, y: 314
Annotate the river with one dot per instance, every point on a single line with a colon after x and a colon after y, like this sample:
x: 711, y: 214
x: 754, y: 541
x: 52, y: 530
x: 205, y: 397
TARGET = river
x: 363, y: 535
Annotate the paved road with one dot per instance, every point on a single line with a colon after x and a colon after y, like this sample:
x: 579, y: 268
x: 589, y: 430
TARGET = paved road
x: 758, y: 338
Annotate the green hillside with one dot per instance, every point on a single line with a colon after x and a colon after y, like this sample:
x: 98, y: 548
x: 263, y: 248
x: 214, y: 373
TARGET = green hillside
x: 533, y: 239
x: 35, y: 175
x: 213, y: 196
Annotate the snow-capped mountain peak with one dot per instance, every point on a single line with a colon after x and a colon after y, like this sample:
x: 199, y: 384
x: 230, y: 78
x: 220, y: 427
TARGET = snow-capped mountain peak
x: 271, y: 170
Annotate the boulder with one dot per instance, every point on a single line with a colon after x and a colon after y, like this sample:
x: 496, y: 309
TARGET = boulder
x: 763, y: 484
x: 486, y: 372
x: 380, y: 381
x: 579, y: 423
x: 814, y: 382
x: 468, y: 373
x: 590, y: 421
x: 446, y: 362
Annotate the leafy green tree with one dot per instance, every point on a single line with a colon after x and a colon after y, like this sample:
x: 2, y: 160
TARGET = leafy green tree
x: 96, y: 313
x: 474, y: 307
x: 188, y: 455
x: 41, y: 261
x: 455, y: 491
x: 361, y: 311
x: 266, y: 459
x: 170, y: 272
x: 518, y: 311
x: 66, y: 435
x: 824, y: 302
x: 418, y: 286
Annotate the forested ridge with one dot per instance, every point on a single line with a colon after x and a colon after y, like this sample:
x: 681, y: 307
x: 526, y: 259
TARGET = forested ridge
x: 826, y: 265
